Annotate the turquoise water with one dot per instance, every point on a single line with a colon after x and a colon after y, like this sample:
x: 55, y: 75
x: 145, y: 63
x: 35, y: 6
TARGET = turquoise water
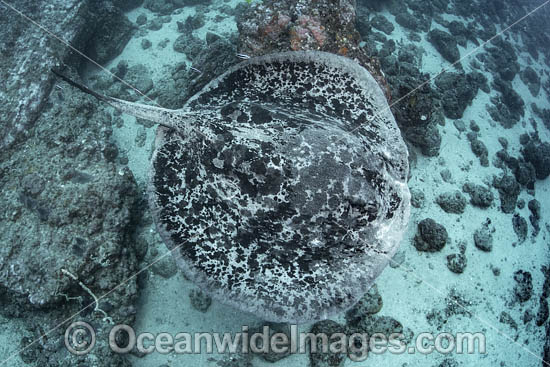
x: 471, y: 98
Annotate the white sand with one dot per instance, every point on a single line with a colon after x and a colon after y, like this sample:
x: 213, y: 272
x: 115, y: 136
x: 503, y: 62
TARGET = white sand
x: 423, y: 281
x: 421, y: 284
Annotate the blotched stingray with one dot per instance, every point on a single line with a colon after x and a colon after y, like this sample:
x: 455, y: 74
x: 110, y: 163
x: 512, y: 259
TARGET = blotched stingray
x: 281, y: 186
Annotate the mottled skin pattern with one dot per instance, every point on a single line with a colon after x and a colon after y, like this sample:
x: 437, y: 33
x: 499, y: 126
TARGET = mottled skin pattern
x: 281, y: 186
x: 277, y: 202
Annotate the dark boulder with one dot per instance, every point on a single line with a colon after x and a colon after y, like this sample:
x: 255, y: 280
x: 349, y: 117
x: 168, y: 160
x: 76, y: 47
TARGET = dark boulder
x: 382, y: 23
x: 112, y: 35
x: 445, y: 44
x: 531, y: 79
x: 431, y: 236
x: 458, y: 90
x: 508, y: 189
x: 456, y: 263
x: 523, y: 289
x: 479, y: 149
x: 520, y: 227
x: 483, y: 236
x: 126, y: 5
x: 538, y: 154
x: 480, y: 196
x: 452, y: 202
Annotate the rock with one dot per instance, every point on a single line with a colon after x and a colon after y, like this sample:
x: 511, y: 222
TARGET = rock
x: 145, y: 44
x: 289, y: 25
x: 446, y: 175
x: 138, y: 76
x: 33, y: 184
x: 458, y: 90
x: 525, y: 174
x: 448, y: 362
x: 523, y: 289
x: 189, y: 45
x: 377, y: 324
x: 431, y: 236
x: 165, y: 7
x: 528, y: 316
x: 26, y: 69
x: 194, y: 22
x: 508, y: 107
x: 502, y: 59
x: 141, y: 137
x: 420, y: 113
x: 141, y: 19
x: 155, y: 24
x: 456, y: 263
x: 445, y: 44
x: 270, y: 329
x: 165, y: 267
x: 480, y: 196
x: 406, y: 20
x: 330, y: 359
x: 167, y: 94
x: 236, y: 360
x: 462, y: 33
x: 415, y: 37
x: 121, y: 69
x: 162, y: 44
x: 483, y: 236
x: 212, y: 60
x: 524, y: 139
x: 538, y: 154
x: 417, y: 198
x: 70, y: 228
x: 508, y: 189
x: 382, y: 23
x: 503, y: 142
x: 543, y: 113
x: 534, y: 218
x: 479, y: 149
x: 459, y: 125
x: 419, y: 118
x: 114, y: 32
x: 200, y: 300
x: 546, y: 284
x: 506, y: 318
x: 531, y: 79
x: 542, y: 313
x: 211, y: 37
x: 452, y: 202
x: 371, y: 325
x: 534, y: 207
x: 520, y: 227
x: 371, y: 303
x: 126, y: 5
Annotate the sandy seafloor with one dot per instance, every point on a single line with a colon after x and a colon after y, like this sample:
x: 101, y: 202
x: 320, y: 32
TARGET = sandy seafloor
x: 423, y: 281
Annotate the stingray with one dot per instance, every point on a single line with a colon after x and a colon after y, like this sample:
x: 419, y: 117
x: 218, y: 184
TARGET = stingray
x: 281, y: 187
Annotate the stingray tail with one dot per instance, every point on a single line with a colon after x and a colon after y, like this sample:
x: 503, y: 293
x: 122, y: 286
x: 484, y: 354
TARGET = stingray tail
x: 151, y: 113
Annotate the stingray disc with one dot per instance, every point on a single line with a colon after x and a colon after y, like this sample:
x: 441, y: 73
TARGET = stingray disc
x: 290, y: 197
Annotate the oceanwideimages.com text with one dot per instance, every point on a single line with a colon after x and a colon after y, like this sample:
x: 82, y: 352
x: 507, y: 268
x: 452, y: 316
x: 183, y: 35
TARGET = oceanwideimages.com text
x: 80, y: 339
